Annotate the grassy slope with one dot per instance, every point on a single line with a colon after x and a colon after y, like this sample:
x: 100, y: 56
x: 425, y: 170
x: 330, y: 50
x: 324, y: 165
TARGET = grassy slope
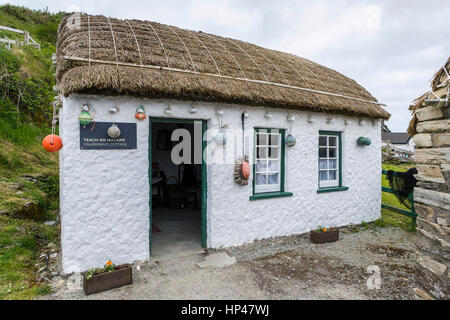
x: 21, y: 153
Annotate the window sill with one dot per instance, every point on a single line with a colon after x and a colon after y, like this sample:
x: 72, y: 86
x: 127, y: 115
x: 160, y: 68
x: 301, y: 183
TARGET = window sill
x: 270, y: 195
x: 332, y: 189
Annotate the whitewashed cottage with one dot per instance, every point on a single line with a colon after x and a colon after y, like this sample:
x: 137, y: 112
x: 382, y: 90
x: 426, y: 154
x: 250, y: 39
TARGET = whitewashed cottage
x: 130, y: 89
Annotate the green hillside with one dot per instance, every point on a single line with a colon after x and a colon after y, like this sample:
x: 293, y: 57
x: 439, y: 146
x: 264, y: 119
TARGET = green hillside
x: 28, y: 174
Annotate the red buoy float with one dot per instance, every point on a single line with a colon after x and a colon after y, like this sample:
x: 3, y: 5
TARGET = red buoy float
x: 52, y: 143
x: 245, y: 170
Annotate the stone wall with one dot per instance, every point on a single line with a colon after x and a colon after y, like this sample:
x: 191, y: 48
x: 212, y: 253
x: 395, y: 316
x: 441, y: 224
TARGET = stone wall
x: 432, y: 195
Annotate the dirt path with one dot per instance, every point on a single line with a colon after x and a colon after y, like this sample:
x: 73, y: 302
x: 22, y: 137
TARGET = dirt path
x: 281, y: 268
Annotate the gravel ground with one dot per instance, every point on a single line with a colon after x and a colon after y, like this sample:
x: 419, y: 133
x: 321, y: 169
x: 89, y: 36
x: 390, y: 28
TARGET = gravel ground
x: 279, y: 268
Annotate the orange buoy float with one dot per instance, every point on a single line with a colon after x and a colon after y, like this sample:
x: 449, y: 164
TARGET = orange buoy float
x: 242, y: 171
x: 140, y: 116
x: 52, y: 143
x: 140, y: 113
x: 245, y: 170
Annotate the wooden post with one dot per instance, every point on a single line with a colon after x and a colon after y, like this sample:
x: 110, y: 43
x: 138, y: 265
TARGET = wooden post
x: 27, y: 38
x: 388, y: 148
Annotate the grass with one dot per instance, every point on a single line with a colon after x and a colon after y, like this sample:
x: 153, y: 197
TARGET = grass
x: 389, y: 218
x: 24, y: 122
x: 20, y: 243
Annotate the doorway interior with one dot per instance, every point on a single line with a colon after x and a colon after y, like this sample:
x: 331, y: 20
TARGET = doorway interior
x: 178, y: 189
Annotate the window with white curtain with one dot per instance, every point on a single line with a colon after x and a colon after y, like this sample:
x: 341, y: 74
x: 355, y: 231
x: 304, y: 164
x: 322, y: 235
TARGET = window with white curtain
x: 329, y: 159
x: 269, y: 157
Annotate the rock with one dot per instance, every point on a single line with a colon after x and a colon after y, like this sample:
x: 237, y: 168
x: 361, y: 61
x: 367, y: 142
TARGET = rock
x: 441, y: 140
x: 430, y: 156
x: 54, y: 255
x: 218, y: 260
x: 435, y: 286
x: 26, y: 209
x: 429, y: 113
x: 434, y: 266
x: 431, y: 173
x: 3, y: 213
x: 432, y: 198
x: 74, y: 281
x: 423, y: 140
x: 14, y: 186
x: 61, y: 283
x: 50, y: 223
x: 422, y: 294
x: 51, y: 245
x: 29, y: 177
x: 433, y: 126
x: 54, y: 274
x: 441, y: 222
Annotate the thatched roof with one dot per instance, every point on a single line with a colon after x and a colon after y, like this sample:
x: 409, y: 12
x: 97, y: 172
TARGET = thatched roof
x: 111, y: 56
x: 439, y: 91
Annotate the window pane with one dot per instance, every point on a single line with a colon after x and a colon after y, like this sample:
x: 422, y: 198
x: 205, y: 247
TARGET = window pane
x: 332, y: 153
x: 323, y: 164
x: 261, y: 152
x: 322, y: 141
x: 273, y: 178
x: 322, y: 152
x: 261, y: 179
x: 332, y: 164
x: 274, y: 139
x: 261, y: 139
x: 323, y: 175
x: 332, y: 141
x: 273, y: 165
x: 332, y: 175
x: 273, y: 153
x: 261, y: 165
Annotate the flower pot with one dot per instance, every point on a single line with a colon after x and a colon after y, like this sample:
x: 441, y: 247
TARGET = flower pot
x: 108, y: 280
x: 323, y: 237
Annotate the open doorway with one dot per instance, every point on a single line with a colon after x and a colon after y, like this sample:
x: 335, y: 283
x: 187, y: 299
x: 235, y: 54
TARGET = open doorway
x: 178, y: 206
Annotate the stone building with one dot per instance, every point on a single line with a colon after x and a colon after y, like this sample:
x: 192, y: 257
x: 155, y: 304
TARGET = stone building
x: 430, y: 127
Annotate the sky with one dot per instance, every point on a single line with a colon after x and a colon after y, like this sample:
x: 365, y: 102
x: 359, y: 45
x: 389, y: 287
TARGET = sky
x: 390, y: 47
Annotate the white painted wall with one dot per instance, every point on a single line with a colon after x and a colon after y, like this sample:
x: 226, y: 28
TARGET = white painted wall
x: 104, y: 193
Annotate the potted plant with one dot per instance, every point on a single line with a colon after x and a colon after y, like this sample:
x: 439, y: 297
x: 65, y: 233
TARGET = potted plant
x: 323, y: 235
x: 106, y: 278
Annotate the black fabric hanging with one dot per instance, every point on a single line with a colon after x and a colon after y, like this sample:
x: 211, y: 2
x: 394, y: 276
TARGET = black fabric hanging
x: 403, y: 183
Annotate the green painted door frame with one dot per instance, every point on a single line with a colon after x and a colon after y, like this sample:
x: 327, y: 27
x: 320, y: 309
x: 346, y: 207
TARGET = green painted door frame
x: 204, y: 191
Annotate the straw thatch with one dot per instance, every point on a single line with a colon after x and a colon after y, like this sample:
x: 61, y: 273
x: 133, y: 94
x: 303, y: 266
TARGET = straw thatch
x: 439, y: 90
x: 441, y: 76
x: 109, y: 56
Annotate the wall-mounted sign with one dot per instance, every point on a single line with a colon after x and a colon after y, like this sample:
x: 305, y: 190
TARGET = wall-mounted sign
x: 97, y: 138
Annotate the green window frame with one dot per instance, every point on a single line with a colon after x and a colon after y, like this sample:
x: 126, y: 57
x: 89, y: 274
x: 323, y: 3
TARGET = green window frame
x: 269, y: 164
x: 330, y: 162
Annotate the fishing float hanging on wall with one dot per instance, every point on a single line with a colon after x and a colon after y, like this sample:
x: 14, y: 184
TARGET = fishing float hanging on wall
x: 85, y: 117
x: 52, y: 142
x: 140, y: 113
x: 290, y: 139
